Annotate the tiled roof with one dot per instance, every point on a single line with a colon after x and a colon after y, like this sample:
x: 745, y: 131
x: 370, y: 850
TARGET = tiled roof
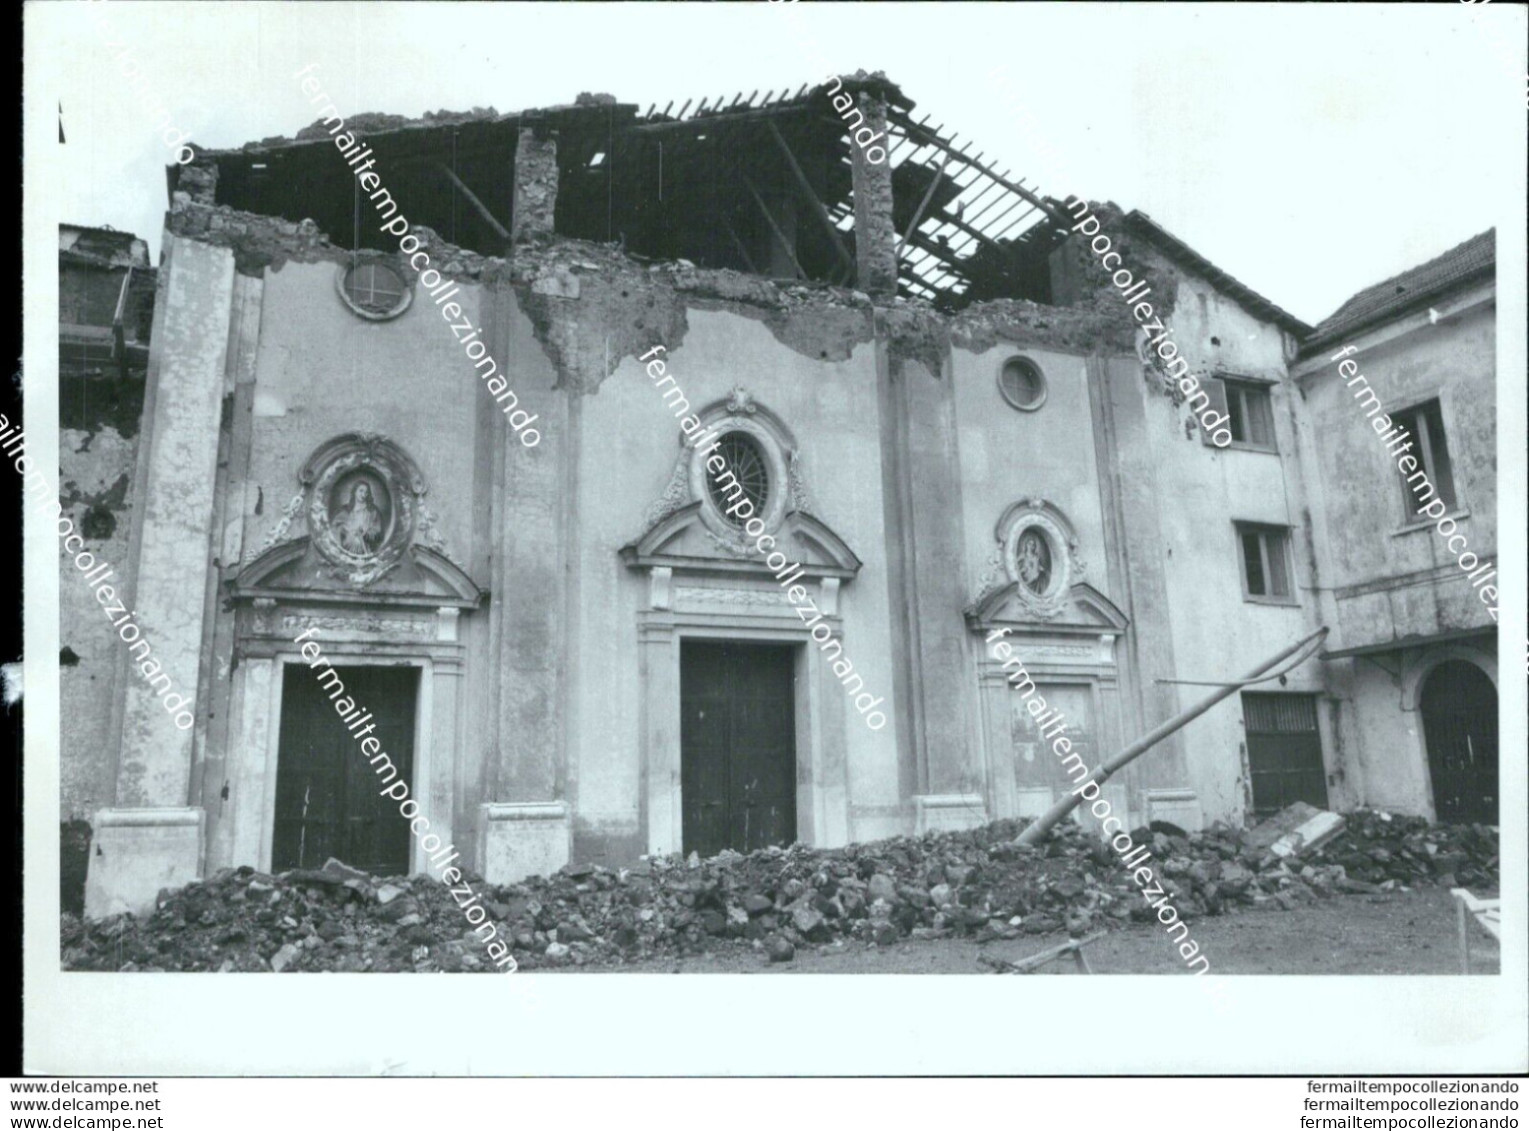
x: 1474, y: 259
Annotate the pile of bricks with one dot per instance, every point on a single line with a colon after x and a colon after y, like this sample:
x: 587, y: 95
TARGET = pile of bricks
x: 976, y: 884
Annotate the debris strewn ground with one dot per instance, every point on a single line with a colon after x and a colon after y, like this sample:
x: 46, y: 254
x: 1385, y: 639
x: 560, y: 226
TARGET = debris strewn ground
x: 976, y: 885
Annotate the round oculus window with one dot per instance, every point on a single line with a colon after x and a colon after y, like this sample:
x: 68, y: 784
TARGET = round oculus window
x: 745, y: 475
x: 375, y: 290
x: 1022, y: 384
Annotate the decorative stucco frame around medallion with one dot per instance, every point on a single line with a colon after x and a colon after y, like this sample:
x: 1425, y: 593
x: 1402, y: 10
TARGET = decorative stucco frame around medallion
x: 687, y: 482
x: 379, y: 456
x: 1067, y: 566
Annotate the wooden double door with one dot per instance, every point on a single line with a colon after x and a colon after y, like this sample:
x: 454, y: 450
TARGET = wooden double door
x: 737, y: 746
x: 328, y: 794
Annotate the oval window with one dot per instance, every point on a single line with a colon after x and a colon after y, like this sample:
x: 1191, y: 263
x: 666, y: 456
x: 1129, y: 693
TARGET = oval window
x: 1022, y: 384
x: 745, y: 475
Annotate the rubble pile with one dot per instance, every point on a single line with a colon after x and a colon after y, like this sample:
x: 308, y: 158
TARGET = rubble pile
x: 974, y: 884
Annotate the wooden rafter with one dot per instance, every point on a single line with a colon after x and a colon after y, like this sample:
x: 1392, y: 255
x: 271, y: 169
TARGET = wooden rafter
x: 743, y: 252
x: 472, y: 198
x: 812, y: 197
x: 918, y: 214
x: 774, y: 227
x: 933, y: 138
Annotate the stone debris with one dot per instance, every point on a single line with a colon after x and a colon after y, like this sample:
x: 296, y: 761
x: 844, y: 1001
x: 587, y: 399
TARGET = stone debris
x: 976, y: 885
x: 1296, y: 829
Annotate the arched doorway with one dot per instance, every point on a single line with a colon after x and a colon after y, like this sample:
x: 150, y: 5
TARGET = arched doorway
x: 1459, y: 707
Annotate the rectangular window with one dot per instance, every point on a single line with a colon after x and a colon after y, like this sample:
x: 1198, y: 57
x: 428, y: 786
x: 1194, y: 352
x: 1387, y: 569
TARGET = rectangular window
x: 1284, y: 751
x: 1424, y: 425
x: 1251, y: 412
x: 1265, y: 561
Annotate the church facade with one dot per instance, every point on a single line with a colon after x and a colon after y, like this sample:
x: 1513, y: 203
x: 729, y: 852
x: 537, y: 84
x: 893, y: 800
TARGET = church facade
x: 573, y: 650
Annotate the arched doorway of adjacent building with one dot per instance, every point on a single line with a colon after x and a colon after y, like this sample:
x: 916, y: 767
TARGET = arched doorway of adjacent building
x: 1459, y: 708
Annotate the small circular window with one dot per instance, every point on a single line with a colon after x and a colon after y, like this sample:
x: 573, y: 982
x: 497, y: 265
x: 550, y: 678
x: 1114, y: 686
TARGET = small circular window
x: 1022, y: 384
x: 746, y: 475
x: 374, y: 289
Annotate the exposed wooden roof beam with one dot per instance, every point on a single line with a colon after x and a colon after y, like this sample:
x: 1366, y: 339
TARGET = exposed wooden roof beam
x: 812, y: 197
x: 918, y: 215
x: 743, y: 252
x: 774, y: 227
x: 725, y: 118
x: 936, y: 140
x: 472, y: 198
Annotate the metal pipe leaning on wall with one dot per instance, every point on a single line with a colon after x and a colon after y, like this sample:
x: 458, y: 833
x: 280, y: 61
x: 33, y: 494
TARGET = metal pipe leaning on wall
x: 1052, y: 816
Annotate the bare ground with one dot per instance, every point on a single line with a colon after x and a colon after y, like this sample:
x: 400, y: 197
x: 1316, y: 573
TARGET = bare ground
x: 1393, y: 933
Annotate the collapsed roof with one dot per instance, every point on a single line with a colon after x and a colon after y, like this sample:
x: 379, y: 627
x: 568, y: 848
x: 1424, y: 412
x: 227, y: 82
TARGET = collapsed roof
x: 757, y: 184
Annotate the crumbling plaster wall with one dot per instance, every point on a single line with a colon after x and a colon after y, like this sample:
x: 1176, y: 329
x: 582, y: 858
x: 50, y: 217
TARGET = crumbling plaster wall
x: 1180, y: 500
x: 1390, y: 753
x: 95, y: 472
x: 323, y: 371
x: 629, y: 443
x: 592, y: 310
x: 1393, y: 577
x: 1203, y: 490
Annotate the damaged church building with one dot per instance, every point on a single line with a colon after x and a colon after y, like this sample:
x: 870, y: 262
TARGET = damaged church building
x: 931, y: 393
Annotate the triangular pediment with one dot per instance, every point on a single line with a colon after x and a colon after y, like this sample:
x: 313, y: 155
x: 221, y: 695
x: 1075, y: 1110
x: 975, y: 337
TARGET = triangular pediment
x: 682, y: 541
x: 1085, y: 612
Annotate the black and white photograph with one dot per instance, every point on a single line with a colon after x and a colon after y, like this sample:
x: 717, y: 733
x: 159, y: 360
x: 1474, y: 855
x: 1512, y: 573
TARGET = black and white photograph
x: 911, y: 501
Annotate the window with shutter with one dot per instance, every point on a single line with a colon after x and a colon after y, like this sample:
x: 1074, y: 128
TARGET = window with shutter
x: 1215, y: 389
x: 1251, y: 413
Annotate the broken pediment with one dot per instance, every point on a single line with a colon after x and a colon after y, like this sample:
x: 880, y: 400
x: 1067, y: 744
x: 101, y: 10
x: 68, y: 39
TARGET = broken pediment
x: 681, y: 540
x: 296, y: 570
x: 1083, y: 611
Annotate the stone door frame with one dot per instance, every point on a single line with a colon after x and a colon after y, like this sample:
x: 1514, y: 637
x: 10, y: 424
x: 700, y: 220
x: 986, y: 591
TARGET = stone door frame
x: 255, y: 716
x: 420, y: 771
x: 821, y: 706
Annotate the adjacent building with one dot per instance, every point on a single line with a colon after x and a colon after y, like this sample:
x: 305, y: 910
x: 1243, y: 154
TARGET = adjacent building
x: 1413, y: 653
x: 938, y: 405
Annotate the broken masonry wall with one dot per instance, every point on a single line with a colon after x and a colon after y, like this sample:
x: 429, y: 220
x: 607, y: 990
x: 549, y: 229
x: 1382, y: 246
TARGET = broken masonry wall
x: 257, y: 241
x: 1168, y: 501
x: 96, y: 464
x: 535, y: 184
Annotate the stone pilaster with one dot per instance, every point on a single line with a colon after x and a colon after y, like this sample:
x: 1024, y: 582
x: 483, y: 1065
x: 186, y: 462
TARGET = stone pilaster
x: 150, y: 838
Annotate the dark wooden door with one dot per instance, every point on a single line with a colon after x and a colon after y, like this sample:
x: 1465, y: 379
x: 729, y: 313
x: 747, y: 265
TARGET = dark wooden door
x: 328, y: 800
x: 737, y: 746
x: 1459, y: 706
x: 1284, y: 751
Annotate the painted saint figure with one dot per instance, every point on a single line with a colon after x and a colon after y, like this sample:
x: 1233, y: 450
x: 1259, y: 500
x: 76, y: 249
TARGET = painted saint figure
x: 1033, y: 558
x: 358, y: 525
